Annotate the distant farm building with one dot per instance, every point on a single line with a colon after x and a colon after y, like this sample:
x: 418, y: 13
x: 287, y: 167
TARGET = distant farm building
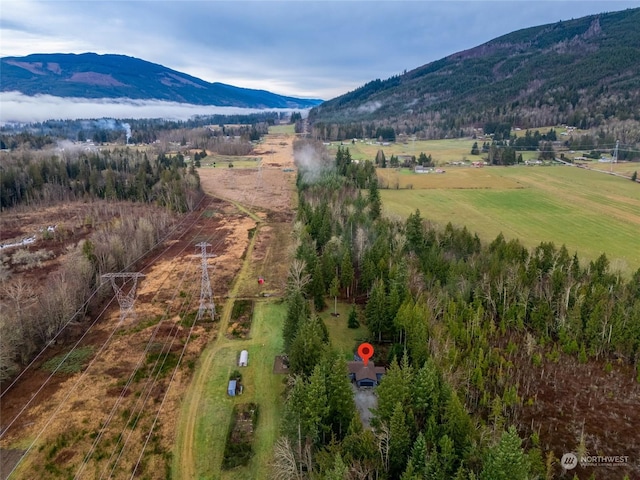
x: 365, y: 376
x: 244, y: 358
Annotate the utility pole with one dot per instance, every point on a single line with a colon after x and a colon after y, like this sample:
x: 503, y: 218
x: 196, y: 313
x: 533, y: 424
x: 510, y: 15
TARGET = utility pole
x: 206, y: 295
x: 125, y: 299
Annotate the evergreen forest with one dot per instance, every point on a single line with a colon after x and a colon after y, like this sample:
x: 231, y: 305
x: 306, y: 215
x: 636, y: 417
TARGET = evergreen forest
x: 459, y: 323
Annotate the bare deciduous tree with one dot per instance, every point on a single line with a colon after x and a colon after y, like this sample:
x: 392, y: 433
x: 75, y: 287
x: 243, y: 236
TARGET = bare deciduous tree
x: 298, y: 279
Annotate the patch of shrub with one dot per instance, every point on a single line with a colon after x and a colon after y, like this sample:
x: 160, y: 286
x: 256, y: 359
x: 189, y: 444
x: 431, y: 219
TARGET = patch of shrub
x: 73, y: 363
x: 28, y: 259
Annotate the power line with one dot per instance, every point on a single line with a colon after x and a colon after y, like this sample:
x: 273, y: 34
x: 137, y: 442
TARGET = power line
x: 94, y: 293
x: 73, y: 348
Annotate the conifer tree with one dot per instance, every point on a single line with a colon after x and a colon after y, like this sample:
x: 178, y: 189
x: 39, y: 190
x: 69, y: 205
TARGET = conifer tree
x: 399, y: 441
x: 297, y: 312
x: 341, y: 405
x: 375, y: 204
x: 307, y: 347
x: 334, y: 291
x: 375, y: 311
x: 506, y: 460
x: 346, y: 273
x: 353, y: 318
x: 318, y: 288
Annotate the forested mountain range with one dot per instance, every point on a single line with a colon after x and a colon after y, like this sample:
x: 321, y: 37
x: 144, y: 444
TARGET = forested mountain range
x: 582, y: 72
x: 90, y: 75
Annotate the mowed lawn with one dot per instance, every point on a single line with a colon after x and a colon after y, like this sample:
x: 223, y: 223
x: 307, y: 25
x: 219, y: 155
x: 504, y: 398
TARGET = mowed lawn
x: 591, y: 213
x: 264, y: 386
x: 343, y: 339
x: 261, y: 386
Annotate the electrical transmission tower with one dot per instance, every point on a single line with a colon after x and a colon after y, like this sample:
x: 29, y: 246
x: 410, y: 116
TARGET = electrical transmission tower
x: 259, y: 179
x: 615, y: 155
x: 206, y: 295
x: 125, y: 299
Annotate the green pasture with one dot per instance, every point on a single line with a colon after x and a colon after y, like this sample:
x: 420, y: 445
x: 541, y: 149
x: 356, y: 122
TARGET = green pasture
x: 590, y: 212
x: 289, y: 128
x: 442, y: 151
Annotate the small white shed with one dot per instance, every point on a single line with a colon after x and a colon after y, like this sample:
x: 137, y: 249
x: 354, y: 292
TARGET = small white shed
x: 244, y: 358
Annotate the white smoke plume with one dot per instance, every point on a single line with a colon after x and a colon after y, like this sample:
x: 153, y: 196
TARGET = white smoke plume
x: 312, y: 162
x: 127, y: 129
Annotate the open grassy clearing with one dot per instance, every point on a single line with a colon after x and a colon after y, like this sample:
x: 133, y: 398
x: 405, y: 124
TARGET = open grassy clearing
x: 441, y: 151
x: 454, y: 178
x: 590, y: 212
x: 289, y: 128
x: 623, y: 168
x: 343, y: 338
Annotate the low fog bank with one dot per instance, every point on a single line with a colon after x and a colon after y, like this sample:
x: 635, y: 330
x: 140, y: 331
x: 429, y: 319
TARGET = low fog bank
x: 17, y: 107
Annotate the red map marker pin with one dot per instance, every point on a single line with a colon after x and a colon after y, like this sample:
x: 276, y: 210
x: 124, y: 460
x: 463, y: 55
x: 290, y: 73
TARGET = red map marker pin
x: 365, y: 351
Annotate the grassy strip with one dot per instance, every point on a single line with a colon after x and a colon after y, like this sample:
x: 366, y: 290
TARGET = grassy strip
x: 282, y: 129
x: 261, y: 386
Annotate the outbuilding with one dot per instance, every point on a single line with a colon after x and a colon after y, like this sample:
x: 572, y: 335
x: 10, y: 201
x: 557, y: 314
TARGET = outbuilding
x: 231, y: 389
x: 244, y: 358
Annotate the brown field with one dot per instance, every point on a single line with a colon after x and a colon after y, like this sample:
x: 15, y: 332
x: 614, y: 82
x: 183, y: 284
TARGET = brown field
x: 116, y: 401
x: 70, y: 410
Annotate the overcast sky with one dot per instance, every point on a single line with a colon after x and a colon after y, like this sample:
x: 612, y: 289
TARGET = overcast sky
x: 313, y: 49
x: 317, y: 49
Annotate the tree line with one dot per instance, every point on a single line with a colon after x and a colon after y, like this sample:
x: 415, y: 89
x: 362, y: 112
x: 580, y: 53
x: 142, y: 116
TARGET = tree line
x: 146, y: 130
x: 458, y: 322
x: 28, y: 178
